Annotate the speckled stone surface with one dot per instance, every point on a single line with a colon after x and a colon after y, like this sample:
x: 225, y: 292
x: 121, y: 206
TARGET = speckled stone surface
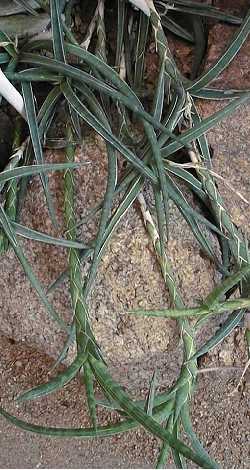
x: 129, y: 277
x: 129, y: 274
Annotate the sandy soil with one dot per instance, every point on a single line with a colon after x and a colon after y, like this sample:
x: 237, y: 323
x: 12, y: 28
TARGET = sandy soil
x: 129, y: 277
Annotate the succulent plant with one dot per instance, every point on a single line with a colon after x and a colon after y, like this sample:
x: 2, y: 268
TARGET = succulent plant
x: 89, y: 84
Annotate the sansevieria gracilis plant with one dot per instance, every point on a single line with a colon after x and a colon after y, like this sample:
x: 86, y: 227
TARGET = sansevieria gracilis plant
x: 107, y: 91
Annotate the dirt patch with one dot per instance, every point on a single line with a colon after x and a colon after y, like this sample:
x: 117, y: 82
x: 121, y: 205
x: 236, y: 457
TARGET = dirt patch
x: 129, y: 277
x: 226, y: 432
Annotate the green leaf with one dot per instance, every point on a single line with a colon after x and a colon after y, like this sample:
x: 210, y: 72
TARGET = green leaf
x: 33, y: 74
x: 117, y: 393
x: 57, y: 382
x: 9, y: 232
x: 57, y: 31
x: 159, y: 93
x: 142, y: 35
x: 217, y: 293
x: 33, y: 170
x: 149, y: 406
x: 177, y: 29
x: 214, y: 94
x: 34, y: 132
x: 64, y: 352
x: 83, y: 433
x: 89, y: 385
x: 120, y: 32
x: 178, y: 459
x: 109, y: 192
x: 4, y: 58
x: 178, y: 198
x: 125, y: 94
x: 225, y: 59
x: 188, y: 428
x: 217, y: 308
x: 200, y: 9
x: 8, y: 44
x: 230, y: 324
x: 83, y: 111
x: 206, y: 124
x: 31, y: 234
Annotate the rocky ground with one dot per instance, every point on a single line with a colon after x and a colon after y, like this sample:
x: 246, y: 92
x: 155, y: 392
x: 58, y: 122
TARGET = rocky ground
x: 129, y: 277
